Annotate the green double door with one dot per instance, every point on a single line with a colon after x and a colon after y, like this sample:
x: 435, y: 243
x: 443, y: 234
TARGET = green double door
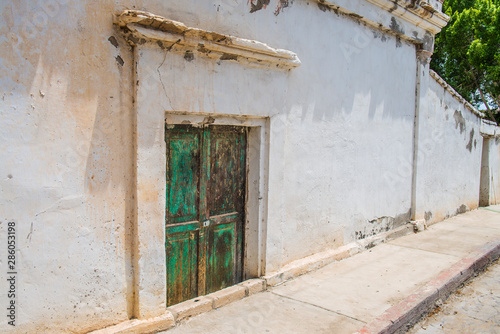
x: 205, y: 208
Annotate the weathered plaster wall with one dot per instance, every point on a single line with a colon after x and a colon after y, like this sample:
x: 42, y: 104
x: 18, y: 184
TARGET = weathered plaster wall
x: 341, y: 123
x: 66, y: 164
x: 449, y: 156
x: 340, y: 142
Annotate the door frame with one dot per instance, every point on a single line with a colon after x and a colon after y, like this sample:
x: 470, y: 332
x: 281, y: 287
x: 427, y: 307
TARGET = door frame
x: 147, y: 279
x: 256, y: 181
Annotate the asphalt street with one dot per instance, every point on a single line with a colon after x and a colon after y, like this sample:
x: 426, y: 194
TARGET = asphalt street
x: 475, y: 308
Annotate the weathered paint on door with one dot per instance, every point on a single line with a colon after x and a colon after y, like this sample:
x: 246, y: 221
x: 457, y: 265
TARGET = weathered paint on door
x: 205, y: 207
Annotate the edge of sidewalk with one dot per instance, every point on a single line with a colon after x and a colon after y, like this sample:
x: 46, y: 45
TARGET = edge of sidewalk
x: 396, y: 319
x: 177, y: 313
x: 400, y: 317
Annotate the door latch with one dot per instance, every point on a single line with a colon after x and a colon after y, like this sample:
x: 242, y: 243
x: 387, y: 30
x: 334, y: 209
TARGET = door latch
x: 206, y: 223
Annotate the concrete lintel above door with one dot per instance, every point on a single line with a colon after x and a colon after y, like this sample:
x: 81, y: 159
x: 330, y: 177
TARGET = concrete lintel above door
x: 143, y: 27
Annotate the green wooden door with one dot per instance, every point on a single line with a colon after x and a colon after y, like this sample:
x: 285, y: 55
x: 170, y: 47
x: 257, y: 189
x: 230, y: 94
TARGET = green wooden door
x: 205, y: 207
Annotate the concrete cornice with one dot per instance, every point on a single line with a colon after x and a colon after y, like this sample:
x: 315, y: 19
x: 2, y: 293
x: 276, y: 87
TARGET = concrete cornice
x: 420, y: 13
x: 416, y: 21
x: 141, y: 27
x: 489, y: 129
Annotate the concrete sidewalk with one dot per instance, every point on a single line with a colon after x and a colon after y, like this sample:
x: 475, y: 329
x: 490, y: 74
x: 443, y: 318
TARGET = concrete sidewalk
x: 380, y: 290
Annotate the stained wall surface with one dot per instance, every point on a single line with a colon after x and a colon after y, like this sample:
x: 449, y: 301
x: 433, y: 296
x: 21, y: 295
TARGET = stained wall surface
x: 449, y: 156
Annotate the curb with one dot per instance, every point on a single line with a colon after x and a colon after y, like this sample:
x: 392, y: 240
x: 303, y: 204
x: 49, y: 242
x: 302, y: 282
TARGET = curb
x: 406, y: 313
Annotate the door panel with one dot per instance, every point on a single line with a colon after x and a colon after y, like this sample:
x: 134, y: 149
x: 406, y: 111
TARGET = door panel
x: 221, y: 254
x: 183, y: 155
x: 205, y: 209
x: 182, y: 264
x: 225, y: 172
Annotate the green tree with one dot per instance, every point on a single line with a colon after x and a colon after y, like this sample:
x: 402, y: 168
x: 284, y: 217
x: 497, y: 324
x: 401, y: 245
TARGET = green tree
x: 467, y: 52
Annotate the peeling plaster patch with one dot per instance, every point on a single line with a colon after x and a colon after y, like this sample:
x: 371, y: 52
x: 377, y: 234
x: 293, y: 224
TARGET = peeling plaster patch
x: 459, y: 121
x: 203, y: 49
x: 258, y: 5
x: 119, y: 60
x: 227, y: 56
x: 469, y: 144
x: 428, y: 215
x: 113, y: 41
x: 383, y: 224
x: 282, y: 4
x: 189, y: 55
x: 136, y: 40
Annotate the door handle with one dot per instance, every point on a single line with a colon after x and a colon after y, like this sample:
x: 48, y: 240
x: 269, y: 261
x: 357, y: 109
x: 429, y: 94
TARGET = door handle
x: 206, y: 223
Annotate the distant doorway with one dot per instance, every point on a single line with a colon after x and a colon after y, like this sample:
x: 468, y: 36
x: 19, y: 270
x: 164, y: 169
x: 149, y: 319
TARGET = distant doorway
x: 484, y: 192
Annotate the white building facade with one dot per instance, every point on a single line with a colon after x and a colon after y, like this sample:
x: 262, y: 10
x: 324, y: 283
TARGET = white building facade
x: 348, y: 135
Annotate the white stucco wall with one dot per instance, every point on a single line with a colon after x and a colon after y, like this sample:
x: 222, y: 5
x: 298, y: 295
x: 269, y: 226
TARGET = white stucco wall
x: 66, y: 163
x: 494, y: 165
x: 449, y: 156
x: 338, y: 125
x: 339, y: 145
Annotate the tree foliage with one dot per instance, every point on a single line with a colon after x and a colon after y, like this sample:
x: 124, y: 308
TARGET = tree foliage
x: 467, y: 52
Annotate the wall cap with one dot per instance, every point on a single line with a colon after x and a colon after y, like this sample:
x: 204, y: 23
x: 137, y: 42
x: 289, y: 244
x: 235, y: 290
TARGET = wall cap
x: 417, y: 13
x: 455, y: 94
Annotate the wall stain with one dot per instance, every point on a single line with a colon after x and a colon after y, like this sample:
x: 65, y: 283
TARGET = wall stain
x: 258, y: 5
x: 462, y: 209
x: 471, y: 139
x: 459, y: 121
x: 427, y: 215
x: 323, y: 7
x: 396, y: 27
